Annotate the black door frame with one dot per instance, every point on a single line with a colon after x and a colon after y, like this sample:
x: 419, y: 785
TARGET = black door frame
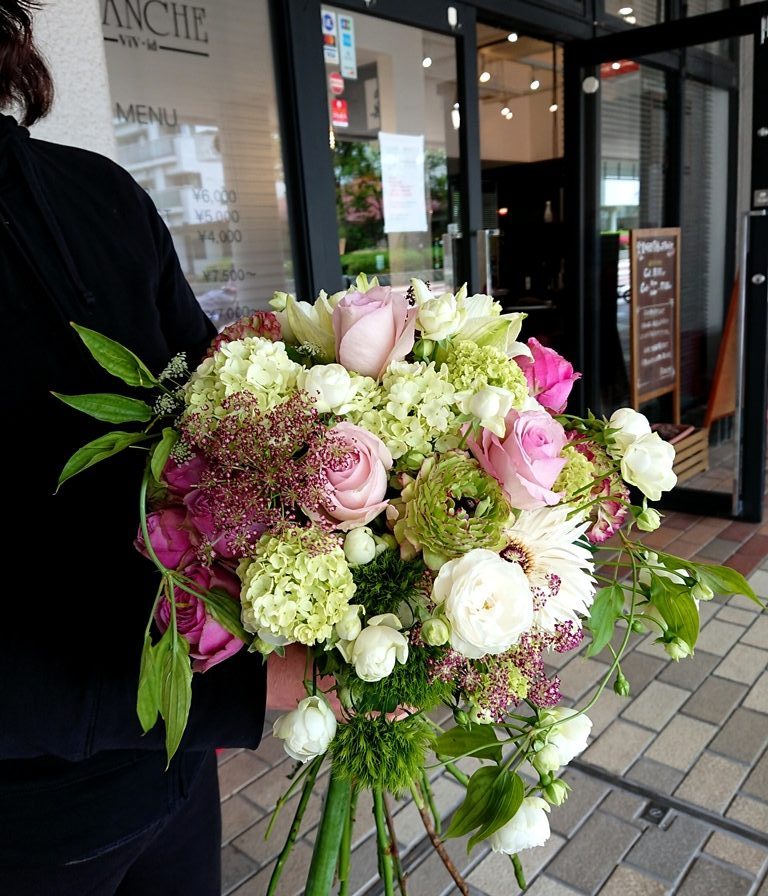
x: 661, y: 44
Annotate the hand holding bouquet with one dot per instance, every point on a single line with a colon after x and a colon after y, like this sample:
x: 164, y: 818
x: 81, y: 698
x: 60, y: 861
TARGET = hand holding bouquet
x: 393, y: 482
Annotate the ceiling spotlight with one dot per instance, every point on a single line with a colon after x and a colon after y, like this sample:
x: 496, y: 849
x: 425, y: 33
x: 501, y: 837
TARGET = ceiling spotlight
x: 426, y: 61
x: 615, y: 66
x: 630, y: 20
x: 553, y: 107
x: 512, y: 36
x: 535, y: 84
x: 509, y: 116
x: 505, y: 110
x: 503, y: 210
x: 626, y: 11
x: 484, y: 77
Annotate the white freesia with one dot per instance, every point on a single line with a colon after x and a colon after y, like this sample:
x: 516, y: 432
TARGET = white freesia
x: 440, y: 317
x: 486, y: 600
x: 489, y: 406
x: 630, y: 425
x: 308, y: 730
x: 330, y: 385
x: 565, y: 740
x: 350, y: 626
x: 647, y: 463
x: 378, y: 647
x: 528, y: 827
x: 360, y: 546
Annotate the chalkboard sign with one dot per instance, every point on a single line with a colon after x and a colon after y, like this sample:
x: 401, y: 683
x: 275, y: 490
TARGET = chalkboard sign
x: 655, y: 315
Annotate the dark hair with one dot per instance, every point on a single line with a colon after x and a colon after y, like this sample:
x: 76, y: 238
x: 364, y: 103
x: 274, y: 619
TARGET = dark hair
x: 24, y: 76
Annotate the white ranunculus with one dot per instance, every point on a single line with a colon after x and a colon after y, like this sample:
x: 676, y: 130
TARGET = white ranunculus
x: 486, y: 600
x: 490, y: 406
x: 360, y: 546
x: 378, y: 647
x: 440, y: 317
x: 647, y: 463
x: 528, y: 827
x: 630, y: 425
x: 350, y: 626
x: 308, y: 730
x: 330, y: 385
x: 564, y: 741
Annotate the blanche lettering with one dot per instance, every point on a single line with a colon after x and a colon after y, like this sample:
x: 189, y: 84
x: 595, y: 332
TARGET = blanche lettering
x: 158, y: 17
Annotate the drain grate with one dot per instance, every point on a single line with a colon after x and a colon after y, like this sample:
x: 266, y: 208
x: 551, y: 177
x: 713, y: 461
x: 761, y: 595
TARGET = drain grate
x: 654, y: 813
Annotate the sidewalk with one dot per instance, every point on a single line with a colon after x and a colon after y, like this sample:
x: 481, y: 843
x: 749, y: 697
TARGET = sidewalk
x: 671, y: 797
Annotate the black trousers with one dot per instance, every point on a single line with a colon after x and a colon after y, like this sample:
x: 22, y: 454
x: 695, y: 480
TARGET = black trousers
x: 176, y: 856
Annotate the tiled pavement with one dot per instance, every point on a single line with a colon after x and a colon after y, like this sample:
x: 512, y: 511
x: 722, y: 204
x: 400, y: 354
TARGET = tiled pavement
x: 671, y: 797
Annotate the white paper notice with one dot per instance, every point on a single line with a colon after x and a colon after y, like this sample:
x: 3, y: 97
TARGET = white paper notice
x: 402, y: 183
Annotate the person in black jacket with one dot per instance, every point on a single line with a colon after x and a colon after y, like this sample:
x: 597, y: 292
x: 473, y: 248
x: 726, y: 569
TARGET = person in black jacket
x: 86, y: 805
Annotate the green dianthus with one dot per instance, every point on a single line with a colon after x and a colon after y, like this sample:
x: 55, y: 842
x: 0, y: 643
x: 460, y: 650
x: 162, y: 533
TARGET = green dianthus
x: 386, y: 582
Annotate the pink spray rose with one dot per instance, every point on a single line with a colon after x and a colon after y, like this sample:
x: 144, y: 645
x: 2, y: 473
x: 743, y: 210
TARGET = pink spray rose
x: 550, y: 377
x: 372, y: 329
x: 527, y: 460
x: 359, y: 485
x: 181, y: 478
x: 209, y: 642
x: 172, y: 536
x: 200, y: 509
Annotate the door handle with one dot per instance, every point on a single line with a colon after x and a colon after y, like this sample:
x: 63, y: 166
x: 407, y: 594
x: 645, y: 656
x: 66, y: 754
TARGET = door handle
x: 484, y: 260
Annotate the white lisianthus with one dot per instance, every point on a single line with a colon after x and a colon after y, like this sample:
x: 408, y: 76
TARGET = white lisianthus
x: 360, y: 546
x: 565, y: 740
x: 440, y: 317
x: 378, y: 647
x: 308, y: 730
x: 489, y: 406
x: 330, y: 385
x: 350, y: 626
x: 647, y: 463
x: 528, y: 827
x: 630, y: 425
x: 486, y: 600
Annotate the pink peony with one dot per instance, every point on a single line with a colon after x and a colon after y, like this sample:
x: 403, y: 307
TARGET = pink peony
x: 550, y: 377
x: 209, y: 642
x: 527, y: 460
x: 373, y: 329
x: 172, y: 536
x: 182, y: 478
x: 360, y: 482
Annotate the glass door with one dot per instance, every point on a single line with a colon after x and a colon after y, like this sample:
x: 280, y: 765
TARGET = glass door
x: 669, y: 244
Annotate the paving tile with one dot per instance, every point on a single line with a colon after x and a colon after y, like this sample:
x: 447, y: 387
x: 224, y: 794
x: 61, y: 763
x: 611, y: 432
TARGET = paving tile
x: 715, y: 700
x: 656, y: 705
x: 548, y: 886
x: 690, y: 672
x: 606, y: 710
x: 618, y: 747
x: 718, y: 637
x: 238, y: 771
x: 666, y: 853
x: 757, y: 544
x: 757, y: 698
x: 235, y: 867
x: 736, y: 615
x: 736, y: 851
x: 743, y: 561
x: 292, y: 879
x: 759, y: 582
x: 447, y: 794
x: 623, y: 804
x: 712, y: 782
x: 494, y: 874
x: 656, y: 775
x: 641, y: 668
x: 706, y: 878
x: 588, y: 859
x: 261, y: 849
x: 757, y: 782
x: 757, y: 634
x: 586, y: 794
x: 271, y: 750
x: 680, y: 742
x: 742, y: 663
x: 738, y: 531
x: 629, y: 882
x: 227, y: 753
x: 750, y: 812
x: 267, y: 789
x: 719, y: 549
x: 237, y: 814
x: 431, y: 875
x: 581, y: 675
x: 742, y: 737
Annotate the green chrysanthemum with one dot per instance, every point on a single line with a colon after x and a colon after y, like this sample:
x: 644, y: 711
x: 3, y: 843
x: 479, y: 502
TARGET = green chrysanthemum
x: 577, y: 473
x: 451, y: 507
x: 471, y: 367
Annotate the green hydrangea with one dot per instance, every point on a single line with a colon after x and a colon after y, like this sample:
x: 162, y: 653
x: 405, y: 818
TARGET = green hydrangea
x: 470, y: 367
x: 577, y: 473
x: 296, y: 587
x: 451, y: 507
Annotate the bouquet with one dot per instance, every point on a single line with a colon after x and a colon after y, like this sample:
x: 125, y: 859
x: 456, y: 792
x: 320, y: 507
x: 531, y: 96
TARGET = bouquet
x: 393, y: 482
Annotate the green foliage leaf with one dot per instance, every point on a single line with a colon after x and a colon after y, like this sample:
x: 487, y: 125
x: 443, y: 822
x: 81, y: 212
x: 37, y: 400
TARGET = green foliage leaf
x: 148, y: 698
x: 162, y: 451
x: 108, y: 407
x: 116, y: 359
x: 507, y: 795
x: 97, y: 450
x: 175, y: 690
x: 723, y: 580
x: 473, y: 811
x: 605, y: 610
x: 479, y: 741
x: 677, y: 608
x: 226, y: 611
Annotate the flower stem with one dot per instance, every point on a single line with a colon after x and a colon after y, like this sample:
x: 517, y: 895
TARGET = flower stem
x: 382, y: 839
x: 430, y: 798
x: 293, y: 833
x: 457, y: 773
x: 393, y: 846
x: 440, y: 849
x: 326, y: 853
x: 346, y: 845
x: 519, y: 873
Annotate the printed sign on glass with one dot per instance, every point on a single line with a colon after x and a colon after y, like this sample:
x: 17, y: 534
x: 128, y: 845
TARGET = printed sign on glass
x: 402, y: 183
x: 348, y: 53
x: 330, y: 38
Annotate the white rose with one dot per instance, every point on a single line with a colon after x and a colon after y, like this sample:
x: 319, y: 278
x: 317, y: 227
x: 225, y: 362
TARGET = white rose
x: 378, y: 647
x: 565, y: 740
x: 630, y: 426
x: 490, y: 406
x: 528, y: 827
x: 360, y: 546
x: 349, y: 626
x: 440, y: 317
x: 329, y: 384
x: 647, y: 463
x: 487, y: 601
x: 308, y: 730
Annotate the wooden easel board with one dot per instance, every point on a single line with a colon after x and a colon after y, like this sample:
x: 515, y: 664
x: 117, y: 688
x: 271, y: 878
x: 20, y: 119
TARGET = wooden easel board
x: 655, y: 315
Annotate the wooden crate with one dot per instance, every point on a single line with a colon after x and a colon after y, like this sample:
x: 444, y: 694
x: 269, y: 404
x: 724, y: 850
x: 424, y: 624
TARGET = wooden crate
x: 692, y: 454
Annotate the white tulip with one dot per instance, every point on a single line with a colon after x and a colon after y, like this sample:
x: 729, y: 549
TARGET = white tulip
x: 330, y: 385
x: 360, y: 546
x: 308, y: 730
x: 647, y: 463
x: 378, y: 647
x: 528, y: 827
x: 630, y: 425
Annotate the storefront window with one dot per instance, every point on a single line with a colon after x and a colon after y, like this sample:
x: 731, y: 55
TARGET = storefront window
x: 195, y: 117
x: 636, y: 12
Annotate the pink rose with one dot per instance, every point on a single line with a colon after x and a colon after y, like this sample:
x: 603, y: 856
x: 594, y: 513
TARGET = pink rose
x: 172, y: 537
x: 527, y: 460
x: 181, y: 478
x: 360, y: 483
x: 209, y: 642
x: 550, y: 377
x: 200, y: 509
x: 372, y: 329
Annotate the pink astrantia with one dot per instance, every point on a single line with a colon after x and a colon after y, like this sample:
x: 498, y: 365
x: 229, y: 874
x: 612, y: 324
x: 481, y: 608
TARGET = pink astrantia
x: 550, y: 377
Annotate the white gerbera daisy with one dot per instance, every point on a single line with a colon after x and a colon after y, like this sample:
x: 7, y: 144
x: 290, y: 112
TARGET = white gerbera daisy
x: 547, y: 545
